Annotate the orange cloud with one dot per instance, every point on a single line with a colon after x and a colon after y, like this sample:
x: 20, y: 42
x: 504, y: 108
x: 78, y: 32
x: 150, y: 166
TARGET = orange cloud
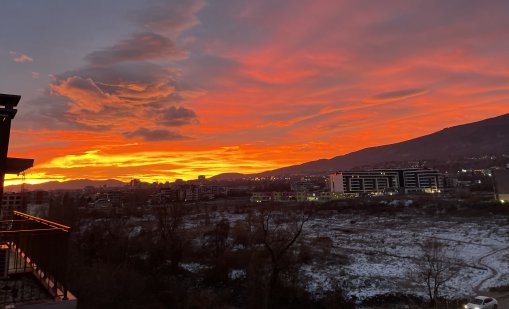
x: 256, y: 85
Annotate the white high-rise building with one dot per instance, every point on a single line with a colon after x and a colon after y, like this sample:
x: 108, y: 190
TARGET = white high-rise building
x: 406, y: 180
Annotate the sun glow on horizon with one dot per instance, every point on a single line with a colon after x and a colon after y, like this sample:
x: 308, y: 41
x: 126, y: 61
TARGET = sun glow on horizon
x: 148, y: 166
x: 32, y: 178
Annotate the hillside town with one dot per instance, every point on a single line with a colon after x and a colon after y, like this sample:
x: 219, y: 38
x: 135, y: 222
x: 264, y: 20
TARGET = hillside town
x: 342, y: 185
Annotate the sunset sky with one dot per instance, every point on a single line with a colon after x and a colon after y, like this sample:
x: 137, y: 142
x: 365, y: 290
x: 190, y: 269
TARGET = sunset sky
x: 159, y: 90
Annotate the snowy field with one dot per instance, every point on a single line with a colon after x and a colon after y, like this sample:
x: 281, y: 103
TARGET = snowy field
x: 382, y: 251
x: 370, y: 255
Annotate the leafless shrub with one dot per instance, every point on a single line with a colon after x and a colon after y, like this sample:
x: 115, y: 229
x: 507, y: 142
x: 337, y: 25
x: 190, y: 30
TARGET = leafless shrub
x: 280, y: 231
x: 434, y: 267
x: 170, y: 232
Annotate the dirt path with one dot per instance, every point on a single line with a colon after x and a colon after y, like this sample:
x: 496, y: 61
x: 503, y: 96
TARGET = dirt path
x: 494, y: 272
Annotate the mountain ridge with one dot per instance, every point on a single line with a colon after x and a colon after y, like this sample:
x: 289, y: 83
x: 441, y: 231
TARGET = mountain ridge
x: 488, y: 136
x: 75, y: 184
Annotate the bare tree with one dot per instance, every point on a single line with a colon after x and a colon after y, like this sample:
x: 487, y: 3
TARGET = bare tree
x: 434, y: 267
x: 280, y: 231
x: 216, y: 242
x: 170, y: 219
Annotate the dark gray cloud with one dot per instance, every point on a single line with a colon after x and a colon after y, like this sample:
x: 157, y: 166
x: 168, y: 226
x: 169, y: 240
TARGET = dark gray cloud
x: 83, y: 84
x: 155, y: 135
x: 45, y: 109
x: 129, y: 82
x: 52, y: 111
x: 129, y: 72
x: 135, y: 83
x: 176, y: 116
x: 169, y: 16
x: 102, y: 98
x: 139, y: 47
x: 119, y: 90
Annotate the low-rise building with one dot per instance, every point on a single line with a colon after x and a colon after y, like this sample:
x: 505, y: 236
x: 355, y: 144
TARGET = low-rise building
x: 101, y: 203
x: 303, y: 185
x: 189, y: 193
x: 116, y: 198
x: 302, y: 196
x: 259, y: 197
x: 12, y: 201
x: 37, y: 203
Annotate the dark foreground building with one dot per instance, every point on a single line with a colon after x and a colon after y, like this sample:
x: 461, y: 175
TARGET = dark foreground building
x: 33, y: 251
x: 8, y: 165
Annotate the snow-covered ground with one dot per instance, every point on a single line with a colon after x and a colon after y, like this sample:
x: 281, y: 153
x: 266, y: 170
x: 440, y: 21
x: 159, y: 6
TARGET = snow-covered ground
x: 382, y: 251
x: 372, y: 255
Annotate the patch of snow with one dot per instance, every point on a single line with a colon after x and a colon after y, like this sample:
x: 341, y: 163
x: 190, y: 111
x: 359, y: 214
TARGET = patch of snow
x: 237, y: 274
x: 382, y: 251
x: 193, y: 267
x: 135, y: 232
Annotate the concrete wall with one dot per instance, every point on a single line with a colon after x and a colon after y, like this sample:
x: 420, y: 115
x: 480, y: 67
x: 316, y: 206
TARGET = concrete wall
x: 336, y: 183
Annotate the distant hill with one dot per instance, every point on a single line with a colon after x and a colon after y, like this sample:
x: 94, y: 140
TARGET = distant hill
x: 489, y: 136
x: 69, y: 185
x: 228, y: 176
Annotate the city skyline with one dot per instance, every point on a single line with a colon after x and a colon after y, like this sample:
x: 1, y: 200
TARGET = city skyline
x: 159, y: 90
